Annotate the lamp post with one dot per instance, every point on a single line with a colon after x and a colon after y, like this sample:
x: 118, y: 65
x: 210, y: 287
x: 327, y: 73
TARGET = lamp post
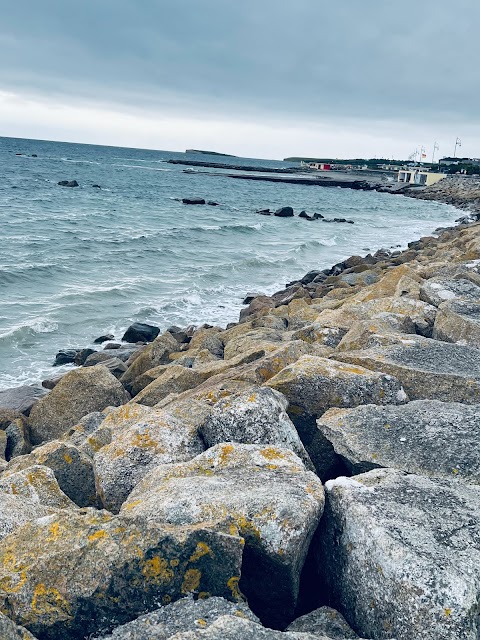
x: 435, y: 148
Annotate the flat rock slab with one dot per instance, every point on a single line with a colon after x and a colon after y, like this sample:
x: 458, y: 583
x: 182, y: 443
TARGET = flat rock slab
x: 427, y: 369
x: 458, y: 321
x: 438, y: 290
x: 427, y: 437
x: 400, y: 555
x: 186, y: 614
x: 326, y: 621
x: 263, y: 493
x: 21, y: 399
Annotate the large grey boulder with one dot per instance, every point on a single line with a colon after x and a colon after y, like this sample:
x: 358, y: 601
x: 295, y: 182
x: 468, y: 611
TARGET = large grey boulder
x: 80, y: 392
x: 400, y: 555
x: 459, y: 322
x: 76, y: 573
x: 186, y: 614
x: 10, y: 631
x: 312, y: 385
x: 262, y: 492
x: 73, y: 469
x: 17, y: 510
x: 326, y: 621
x: 257, y: 416
x: 427, y: 369
x: 427, y: 437
x: 438, y: 290
x: 151, y: 356
x: 38, y: 485
x: 156, y: 439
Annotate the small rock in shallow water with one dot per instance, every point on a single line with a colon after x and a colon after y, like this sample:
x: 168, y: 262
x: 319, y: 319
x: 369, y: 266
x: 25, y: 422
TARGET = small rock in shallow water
x: 140, y: 332
x: 65, y: 356
x: 193, y: 201
x: 104, y: 338
x: 284, y: 212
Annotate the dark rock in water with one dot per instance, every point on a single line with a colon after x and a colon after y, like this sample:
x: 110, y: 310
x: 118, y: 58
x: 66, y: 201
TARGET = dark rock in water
x: 140, y: 332
x: 34, y: 155
x: 250, y: 297
x: 284, y: 212
x: 21, y: 399
x: 112, y: 345
x: 104, y: 338
x: 68, y: 183
x: 304, y: 214
x: 96, y: 186
x: 193, y: 201
x: 65, y: 356
x: 309, y: 277
x: 264, y: 212
x: 318, y: 216
x: 213, y: 204
x: 82, y: 355
x: 339, y: 219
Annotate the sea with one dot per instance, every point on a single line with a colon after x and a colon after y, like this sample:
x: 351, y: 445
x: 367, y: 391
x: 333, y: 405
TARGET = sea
x: 76, y: 263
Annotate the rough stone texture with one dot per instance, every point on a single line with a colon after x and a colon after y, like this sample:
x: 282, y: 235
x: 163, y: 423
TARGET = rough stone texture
x: 18, y: 439
x: 184, y: 615
x: 324, y: 621
x: 15, y: 511
x: 427, y: 369
x: 73, y: 574
x: 235, y: 628
x: 209, y: 339
x: 151, y: 356
x: 438, y: 290
x: 458, y: 322
x: 255, y: 417
x: 400, y: 555
x: 78, y: 393
x: 73, y: 469
x: 318, y: 334
x: 10, y: 631
x: 427, y: 437
x: 263, y: 493
x: 3, y: 445
x: 312, y: 385
x: 21, y: 399
x: 157, y: 439
x: 365, y: 333
x: 37, y: 484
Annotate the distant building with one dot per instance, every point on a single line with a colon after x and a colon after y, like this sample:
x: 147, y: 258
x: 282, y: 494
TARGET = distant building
x: 417, y: 176
x: 319, y: 166
x: 449, y: 162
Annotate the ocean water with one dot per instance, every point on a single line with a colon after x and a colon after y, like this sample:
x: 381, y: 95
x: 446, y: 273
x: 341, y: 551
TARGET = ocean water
x: 77, y: 263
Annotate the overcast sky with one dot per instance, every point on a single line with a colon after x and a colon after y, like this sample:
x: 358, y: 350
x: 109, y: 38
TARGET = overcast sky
x: 265, y: 78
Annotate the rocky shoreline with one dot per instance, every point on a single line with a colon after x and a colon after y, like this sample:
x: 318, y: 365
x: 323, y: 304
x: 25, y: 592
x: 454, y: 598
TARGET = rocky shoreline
x: 309, y: 473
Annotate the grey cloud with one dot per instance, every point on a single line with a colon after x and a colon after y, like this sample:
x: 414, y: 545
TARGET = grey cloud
x: 300, y: 58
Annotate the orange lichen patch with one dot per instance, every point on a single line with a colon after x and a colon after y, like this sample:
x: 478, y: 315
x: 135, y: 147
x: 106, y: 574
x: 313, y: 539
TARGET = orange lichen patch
x: 252, y: 398
x: 232, y: 584
x: 98, y: 535
x: 191, y: 581
x: 246, y: 527
x: 204, y: 595
x: 157, y: 570
x: 132, y: 505
x: 175, y: 562
x: 68, y: 458
x: 95, y: 444
x: 201, y: 623
x: 226, y: 452
x: 447, y: 612
x: 47, y: 601
x: 54, y: 530
x: 272, y: 453
x: 201, y: 551
x: 356, y: 370
x: 144, y: 441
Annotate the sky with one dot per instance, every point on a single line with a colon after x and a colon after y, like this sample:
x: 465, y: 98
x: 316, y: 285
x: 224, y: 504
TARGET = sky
x: 257, y: 78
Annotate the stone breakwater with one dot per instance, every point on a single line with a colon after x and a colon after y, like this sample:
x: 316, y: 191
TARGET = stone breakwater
x: 309, y: 473
x: 461, y: 191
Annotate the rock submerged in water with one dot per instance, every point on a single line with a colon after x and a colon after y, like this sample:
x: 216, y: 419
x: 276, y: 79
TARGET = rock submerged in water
x: 284, y: 212
x: 193, y: 201
x: 68, y: 183
x: 140, y: 332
